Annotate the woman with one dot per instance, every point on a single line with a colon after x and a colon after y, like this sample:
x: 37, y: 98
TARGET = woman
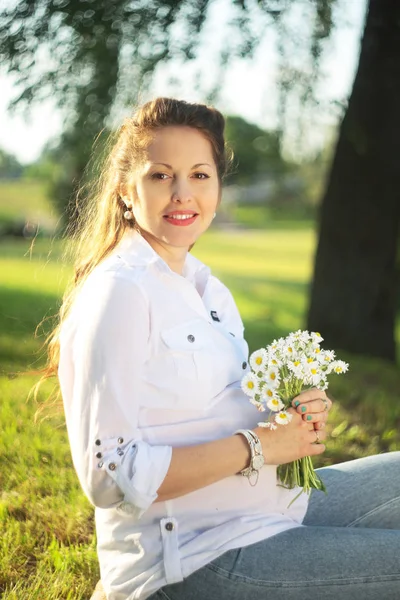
x: 164, y: 442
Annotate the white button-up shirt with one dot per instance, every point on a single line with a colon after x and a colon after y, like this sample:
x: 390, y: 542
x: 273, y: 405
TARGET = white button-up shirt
x: 152, y: 360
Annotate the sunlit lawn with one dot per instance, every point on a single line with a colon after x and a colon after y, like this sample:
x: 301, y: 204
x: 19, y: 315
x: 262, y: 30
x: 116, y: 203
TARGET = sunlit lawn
x: 47, y: 547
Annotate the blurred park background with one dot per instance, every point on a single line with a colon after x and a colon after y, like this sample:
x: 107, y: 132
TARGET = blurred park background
x: 307, y: 235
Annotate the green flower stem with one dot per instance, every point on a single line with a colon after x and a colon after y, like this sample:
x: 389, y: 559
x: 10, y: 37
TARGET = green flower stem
x: 299, y: 473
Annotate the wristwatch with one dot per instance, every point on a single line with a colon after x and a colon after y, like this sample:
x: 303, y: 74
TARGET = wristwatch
x: 257, y: 459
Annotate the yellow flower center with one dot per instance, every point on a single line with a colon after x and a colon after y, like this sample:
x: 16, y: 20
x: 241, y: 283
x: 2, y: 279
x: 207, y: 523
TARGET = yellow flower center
x: 318, y: 334
x: 274, y: 362
x: 290, y: 349
x: 269, y: 393
x: 296, y: 363
x: 272, y: 376
x: 250, y: 385
x: 258, y: 360
x: 283, y: 416
x: 310, y: 360
x: 314, y: 371
x: 338, y: 369
x: 317, y: 350
x: 275, y: 402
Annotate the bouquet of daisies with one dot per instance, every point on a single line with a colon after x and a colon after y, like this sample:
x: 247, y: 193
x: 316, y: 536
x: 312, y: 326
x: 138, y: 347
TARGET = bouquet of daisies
x: 279, y: 373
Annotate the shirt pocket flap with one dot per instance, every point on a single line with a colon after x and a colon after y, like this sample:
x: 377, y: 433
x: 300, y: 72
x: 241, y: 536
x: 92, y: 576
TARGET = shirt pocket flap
x: 187, y: 337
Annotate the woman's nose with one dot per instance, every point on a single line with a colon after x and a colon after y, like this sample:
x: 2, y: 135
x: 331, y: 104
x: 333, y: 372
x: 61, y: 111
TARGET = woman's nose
x: 181, y: 191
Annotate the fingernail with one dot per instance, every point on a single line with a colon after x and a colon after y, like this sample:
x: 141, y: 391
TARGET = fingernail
x: 309, y: 417
x: 297, y: 403
x: 303, y: 408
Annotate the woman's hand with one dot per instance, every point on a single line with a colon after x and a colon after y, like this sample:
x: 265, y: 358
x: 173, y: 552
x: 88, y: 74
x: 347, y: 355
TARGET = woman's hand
x: 313, y: 406
x: 290, y: 442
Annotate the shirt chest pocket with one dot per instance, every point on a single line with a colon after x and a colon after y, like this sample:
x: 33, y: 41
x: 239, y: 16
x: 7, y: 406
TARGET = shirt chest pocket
x: 190, y: 348
x: 204, y: 362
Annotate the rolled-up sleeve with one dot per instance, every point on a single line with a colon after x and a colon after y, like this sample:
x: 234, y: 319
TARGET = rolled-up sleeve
x: 104, y: 345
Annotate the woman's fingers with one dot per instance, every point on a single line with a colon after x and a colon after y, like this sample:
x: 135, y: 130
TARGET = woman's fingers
x: 316, y: 437
x: 309, y: 396
x: 312, y: 404
x: 315, y: 417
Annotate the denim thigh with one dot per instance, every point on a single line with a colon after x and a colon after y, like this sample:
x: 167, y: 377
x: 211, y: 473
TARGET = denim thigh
x: 361, y: 493
x: 349, y: 547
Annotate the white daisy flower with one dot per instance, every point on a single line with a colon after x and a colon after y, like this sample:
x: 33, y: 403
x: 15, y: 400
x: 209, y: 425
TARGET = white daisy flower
x: 316, y: 337
x: 275, y: 404
x: 250, y: 384
x: 312, y: 372
x: 313, y: 379
x: 274, y: 361
x: 259, y: 406
x: 272, y: 377
x: 268, y: 392
x: 328, y: 356
x: 289, y: 351
x: 258, y: 360
x: 297, y: 368
x: 267, y: 425
x: 316, y: 353
x: 283, y: 418
x: 338, y: 366
x: 273, y: 347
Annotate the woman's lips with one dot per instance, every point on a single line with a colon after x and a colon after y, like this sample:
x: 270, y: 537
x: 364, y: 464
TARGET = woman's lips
x: 181, y: 220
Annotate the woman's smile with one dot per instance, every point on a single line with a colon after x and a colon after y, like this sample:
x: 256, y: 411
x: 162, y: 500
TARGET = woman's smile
x: 181, y: 218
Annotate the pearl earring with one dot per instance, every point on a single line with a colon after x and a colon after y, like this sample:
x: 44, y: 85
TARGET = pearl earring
x: 128, y: 214
x: 215, y: 214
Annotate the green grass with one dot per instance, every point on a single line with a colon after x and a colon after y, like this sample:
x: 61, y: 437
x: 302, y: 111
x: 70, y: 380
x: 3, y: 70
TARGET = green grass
x: 47, y: 542
x: 266, y: 217
x: 26, y: 200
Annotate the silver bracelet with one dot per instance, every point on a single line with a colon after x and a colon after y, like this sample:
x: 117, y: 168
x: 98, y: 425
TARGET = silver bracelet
x: 257, y: 460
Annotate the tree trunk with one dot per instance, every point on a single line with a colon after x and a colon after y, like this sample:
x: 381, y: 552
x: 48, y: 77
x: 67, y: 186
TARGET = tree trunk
x: 353, y: 296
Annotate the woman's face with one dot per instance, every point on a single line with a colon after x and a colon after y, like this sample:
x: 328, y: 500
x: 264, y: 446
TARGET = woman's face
x: 176, y: 191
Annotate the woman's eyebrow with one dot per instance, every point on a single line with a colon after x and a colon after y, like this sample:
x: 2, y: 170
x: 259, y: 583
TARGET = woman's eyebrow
x: 170, y: 167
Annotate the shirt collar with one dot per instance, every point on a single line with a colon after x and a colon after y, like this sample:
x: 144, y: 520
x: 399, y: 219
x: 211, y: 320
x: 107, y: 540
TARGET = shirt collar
x: 136, y: 251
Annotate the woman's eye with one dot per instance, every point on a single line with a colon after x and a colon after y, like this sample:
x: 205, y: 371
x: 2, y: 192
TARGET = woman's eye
x: 160, y: 176
x: 201, y: 176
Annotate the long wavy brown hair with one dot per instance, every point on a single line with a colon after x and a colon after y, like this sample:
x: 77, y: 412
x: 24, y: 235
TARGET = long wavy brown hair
x: 100, y: 224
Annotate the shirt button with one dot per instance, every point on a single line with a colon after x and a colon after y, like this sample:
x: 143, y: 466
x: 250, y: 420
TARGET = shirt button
x: 191, y: 338
x: 99, y: 455
x: 244, y: 365
x: 169, y: 526
x: 120, y: 440
x: 97, y: 442
x: 112, y: 466
x: 100, y: 465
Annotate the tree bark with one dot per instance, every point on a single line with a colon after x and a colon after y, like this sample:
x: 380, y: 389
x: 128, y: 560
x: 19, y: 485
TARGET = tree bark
x: 353, y: 295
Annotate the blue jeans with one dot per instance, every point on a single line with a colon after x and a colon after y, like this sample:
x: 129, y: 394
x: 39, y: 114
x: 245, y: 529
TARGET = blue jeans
x: 350, y: 548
